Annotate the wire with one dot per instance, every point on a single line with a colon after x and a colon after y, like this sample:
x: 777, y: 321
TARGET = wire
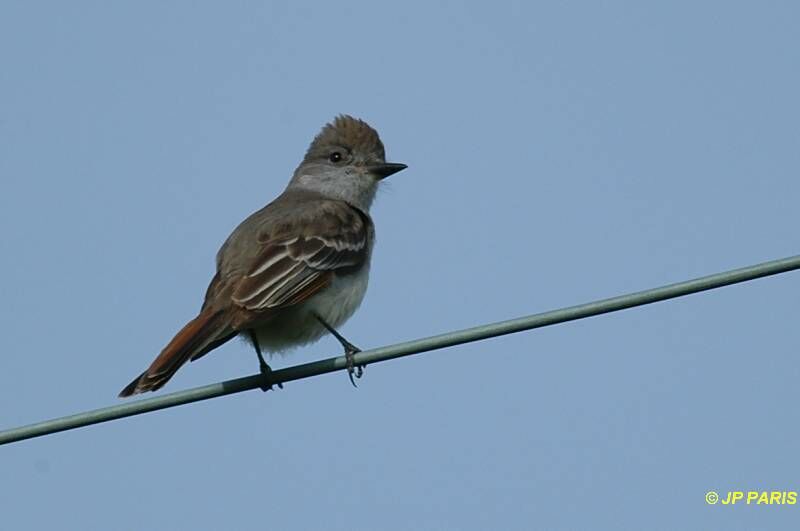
x: 398, y: 350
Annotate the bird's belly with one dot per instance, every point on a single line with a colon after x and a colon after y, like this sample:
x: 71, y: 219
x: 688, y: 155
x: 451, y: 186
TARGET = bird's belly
x: 296, y: 326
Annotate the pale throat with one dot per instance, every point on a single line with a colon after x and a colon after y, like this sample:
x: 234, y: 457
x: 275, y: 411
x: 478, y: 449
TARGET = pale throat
x: 354, y: 188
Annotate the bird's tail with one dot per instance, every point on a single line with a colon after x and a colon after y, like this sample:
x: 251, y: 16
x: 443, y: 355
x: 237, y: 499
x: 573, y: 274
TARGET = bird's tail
x: 205, y: 332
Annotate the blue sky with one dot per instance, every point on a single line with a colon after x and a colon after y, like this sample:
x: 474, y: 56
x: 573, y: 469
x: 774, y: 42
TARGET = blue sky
x: 558, y: 153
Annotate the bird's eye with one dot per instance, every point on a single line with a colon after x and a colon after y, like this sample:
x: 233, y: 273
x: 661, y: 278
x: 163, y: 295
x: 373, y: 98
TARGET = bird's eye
x: 335, y: 156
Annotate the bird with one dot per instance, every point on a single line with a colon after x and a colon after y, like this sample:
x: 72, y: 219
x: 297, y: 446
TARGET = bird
x: 296, y: 269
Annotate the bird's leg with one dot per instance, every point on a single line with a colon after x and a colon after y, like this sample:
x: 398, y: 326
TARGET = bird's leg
x: 350, y: 350
x: 262, y: 365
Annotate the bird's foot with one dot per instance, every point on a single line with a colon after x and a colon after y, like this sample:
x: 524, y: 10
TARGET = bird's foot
x: 266, y: 371
x: 350, y: 350
x: 353, y: 370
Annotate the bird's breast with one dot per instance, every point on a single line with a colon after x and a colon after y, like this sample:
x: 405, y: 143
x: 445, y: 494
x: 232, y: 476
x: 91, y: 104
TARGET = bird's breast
x: 335, y: 304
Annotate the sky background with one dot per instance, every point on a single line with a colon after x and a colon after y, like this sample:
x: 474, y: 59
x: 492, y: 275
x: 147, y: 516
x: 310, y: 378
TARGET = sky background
x: 558, y: 153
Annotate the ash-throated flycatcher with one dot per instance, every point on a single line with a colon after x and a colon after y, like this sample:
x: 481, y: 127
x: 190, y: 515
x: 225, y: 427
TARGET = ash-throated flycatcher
x: 297, y: 268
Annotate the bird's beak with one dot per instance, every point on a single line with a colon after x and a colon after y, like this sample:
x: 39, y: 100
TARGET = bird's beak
x: 386, y: 169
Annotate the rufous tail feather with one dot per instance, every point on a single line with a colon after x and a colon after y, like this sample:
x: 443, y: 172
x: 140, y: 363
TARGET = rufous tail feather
x: 205, y: 332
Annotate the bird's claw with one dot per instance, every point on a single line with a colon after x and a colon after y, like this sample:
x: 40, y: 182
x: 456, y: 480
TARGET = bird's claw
x: 350, y: 350
x: 266, y: 371
x: 353, y: 370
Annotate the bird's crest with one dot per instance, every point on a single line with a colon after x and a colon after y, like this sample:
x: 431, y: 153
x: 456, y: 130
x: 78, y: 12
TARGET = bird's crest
x: 347, y: 132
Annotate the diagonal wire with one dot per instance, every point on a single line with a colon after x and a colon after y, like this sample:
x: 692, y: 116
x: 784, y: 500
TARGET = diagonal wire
x: 408, y: 348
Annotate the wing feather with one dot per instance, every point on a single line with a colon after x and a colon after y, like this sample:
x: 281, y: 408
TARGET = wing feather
x: 293, y: 266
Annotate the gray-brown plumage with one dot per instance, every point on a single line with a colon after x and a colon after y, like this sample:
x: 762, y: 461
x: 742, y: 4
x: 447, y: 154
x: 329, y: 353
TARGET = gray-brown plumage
x: 299, y: 262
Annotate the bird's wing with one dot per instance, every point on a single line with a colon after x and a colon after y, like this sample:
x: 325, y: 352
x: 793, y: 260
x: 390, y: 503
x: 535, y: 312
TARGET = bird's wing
x: 302, y: 258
